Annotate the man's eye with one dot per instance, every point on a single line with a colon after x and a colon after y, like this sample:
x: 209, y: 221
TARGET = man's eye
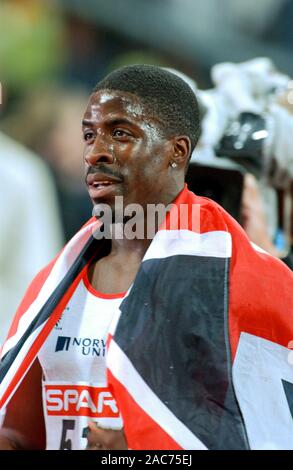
x: 121, y: 133
x: 88, y: 136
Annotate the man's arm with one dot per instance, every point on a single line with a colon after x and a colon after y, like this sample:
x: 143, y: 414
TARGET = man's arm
x: 105, y: 439
x: 23, y: 426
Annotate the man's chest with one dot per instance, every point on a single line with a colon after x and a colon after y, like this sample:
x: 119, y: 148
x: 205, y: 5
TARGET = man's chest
x: 113, y: 276
x: 76, y: 347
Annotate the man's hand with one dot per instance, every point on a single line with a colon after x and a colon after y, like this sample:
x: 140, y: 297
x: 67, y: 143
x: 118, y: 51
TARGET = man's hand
x: 105, y: 439
x: 13, y: 440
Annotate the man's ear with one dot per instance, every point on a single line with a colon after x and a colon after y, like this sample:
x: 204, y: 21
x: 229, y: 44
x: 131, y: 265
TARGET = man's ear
x: 181, y: 151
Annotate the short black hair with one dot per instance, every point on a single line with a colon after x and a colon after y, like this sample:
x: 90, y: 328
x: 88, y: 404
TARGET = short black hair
x: 165, y: 94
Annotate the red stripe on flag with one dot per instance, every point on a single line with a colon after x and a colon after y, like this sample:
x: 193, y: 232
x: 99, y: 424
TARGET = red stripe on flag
x: 260, y: 295
x: 210, y: 214
x: 34, y: 288
x: 143, y: 433
x: 40, y: 339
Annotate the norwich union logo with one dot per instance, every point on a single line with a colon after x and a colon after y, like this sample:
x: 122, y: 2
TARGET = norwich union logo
x: 87, y: 346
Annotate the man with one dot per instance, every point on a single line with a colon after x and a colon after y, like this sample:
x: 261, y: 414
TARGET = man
x: 189, y: 291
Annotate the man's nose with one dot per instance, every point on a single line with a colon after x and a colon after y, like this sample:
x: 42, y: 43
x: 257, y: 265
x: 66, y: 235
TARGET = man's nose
x: 98, y: 154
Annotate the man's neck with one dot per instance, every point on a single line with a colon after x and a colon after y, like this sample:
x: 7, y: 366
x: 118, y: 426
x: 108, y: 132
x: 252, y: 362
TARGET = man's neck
x: 122, y: 244
x: 125, y: 247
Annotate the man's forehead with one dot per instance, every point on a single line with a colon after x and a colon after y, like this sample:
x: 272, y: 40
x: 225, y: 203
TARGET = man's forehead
x: 112, y: 101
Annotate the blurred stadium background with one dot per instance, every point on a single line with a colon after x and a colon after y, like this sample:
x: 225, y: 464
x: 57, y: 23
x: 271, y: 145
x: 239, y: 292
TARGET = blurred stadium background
x: 53, y: 52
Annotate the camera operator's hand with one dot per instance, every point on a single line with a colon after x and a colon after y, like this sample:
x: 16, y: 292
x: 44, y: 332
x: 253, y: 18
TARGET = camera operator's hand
x: 286, y: 100
x: 253, y: 216
x: 278, y: 150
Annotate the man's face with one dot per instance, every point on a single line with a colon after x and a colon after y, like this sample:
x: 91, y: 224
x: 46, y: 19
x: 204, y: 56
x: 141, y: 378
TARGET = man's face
x: 125, y: 152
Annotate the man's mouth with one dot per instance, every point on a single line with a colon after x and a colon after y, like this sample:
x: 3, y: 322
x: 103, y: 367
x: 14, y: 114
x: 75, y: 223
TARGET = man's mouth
x: 101, y: 178
x: 100, y: 185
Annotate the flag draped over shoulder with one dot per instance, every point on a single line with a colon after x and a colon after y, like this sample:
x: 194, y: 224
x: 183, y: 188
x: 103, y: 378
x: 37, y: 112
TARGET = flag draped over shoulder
x: 41, y: 308
x: 198, y: 357
x: 199, y: 352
